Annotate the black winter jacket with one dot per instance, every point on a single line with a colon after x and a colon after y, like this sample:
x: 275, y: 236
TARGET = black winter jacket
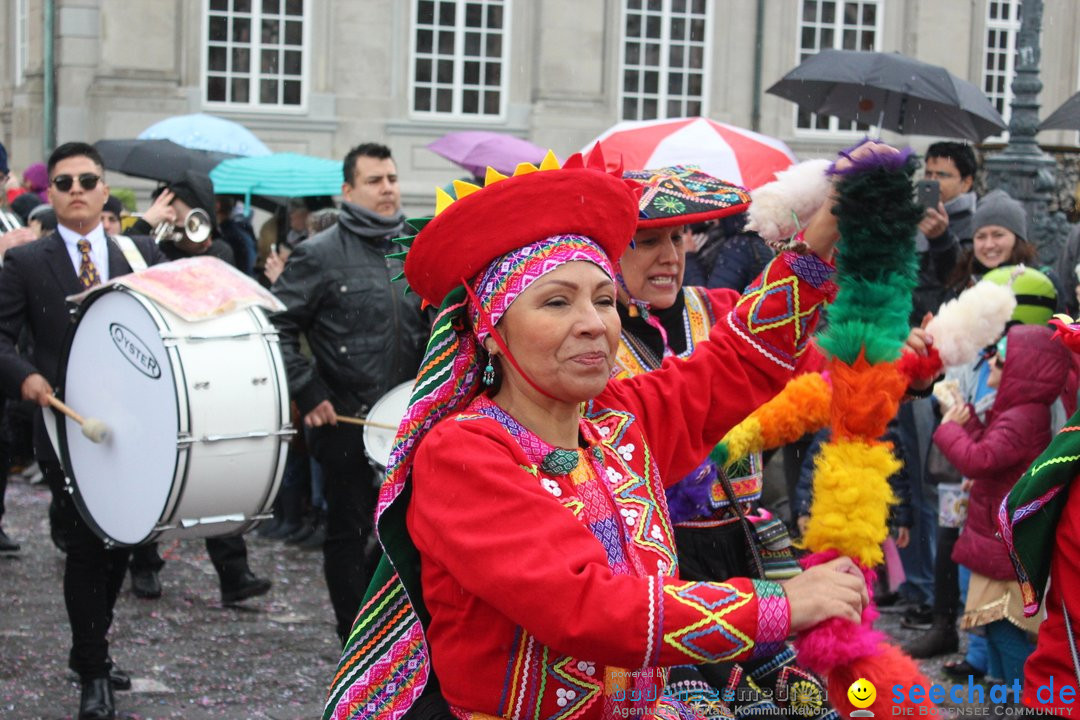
x: 365, y: 334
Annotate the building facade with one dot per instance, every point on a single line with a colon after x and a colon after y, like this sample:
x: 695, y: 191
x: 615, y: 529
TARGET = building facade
x: 318, y: 76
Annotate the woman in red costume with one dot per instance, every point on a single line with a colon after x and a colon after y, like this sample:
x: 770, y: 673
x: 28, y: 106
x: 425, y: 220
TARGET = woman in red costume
x: 529, y: 560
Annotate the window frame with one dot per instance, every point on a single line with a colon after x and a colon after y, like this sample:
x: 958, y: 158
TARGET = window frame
x: 459, y: 59
x: 664, y: 68
x: 255, y: 49
x: 22, y: 41
x: 838, y: 33
x: 1011, y: 28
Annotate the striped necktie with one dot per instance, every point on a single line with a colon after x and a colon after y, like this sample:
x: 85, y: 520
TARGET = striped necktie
x: 88, y: 273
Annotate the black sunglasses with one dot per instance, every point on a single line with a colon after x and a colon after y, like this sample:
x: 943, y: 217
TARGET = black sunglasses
x: 87, y: 181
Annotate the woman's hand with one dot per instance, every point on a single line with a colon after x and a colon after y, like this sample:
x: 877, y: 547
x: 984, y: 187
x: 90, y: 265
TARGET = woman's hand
x: 958, y: 413
x: 832, y: 589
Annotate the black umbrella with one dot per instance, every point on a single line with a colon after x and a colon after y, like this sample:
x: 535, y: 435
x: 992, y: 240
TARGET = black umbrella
x: 161, y: 160
x: 891, y: 91
x: 1066, y: 117
x: 166, y: 162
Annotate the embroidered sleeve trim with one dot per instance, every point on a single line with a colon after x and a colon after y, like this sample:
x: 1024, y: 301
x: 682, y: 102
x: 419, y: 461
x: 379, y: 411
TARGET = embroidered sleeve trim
x: 774, y: 618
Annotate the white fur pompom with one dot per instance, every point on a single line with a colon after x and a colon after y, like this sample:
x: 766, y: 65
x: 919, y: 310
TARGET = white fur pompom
x: 797, y: 192
x: 966, y: 325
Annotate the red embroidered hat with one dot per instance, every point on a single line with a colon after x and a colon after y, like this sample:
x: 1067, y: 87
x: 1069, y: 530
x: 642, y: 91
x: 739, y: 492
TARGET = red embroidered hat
x: 683, y: 194
x: 534, y: 203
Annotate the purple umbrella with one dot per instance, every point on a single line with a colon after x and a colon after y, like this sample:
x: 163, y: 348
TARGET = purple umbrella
x: 475, y: 150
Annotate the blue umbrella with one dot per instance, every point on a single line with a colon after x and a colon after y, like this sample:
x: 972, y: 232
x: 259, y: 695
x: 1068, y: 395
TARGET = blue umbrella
x: 206, y: 132
x: 278, y: 175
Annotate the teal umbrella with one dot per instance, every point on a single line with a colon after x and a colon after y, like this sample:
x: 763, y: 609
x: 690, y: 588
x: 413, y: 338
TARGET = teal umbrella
x: 278, y: 175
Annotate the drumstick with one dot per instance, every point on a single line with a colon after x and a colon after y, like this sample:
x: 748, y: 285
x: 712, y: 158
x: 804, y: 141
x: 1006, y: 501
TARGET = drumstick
x: 94, y: 429
x: 361, y: 421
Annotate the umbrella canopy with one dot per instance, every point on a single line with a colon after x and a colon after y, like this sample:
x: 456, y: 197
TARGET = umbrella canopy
x: 892, y: 91
x: 476, y: 150
x: 1066, y: 117
x: 161, y: 160
x: 206, y: 132
x: 724, y: 151
x: 281, y: 175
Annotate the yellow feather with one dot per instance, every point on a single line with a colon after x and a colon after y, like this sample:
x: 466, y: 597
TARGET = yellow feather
x: 850, y: 510
x: 743, y: 439
x: 492, y: 176
x: 442, y: 200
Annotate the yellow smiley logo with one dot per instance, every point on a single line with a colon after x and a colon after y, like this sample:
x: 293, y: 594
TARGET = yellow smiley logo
x: 862, y: 693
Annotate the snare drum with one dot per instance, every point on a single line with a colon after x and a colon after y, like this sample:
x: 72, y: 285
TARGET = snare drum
x: 388, y: 410
x: 198, y: 414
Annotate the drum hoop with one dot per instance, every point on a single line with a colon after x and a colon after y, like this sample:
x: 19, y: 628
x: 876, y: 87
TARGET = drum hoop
x: 373, y: 410
x: 284, y: 419
x: 183, y: 418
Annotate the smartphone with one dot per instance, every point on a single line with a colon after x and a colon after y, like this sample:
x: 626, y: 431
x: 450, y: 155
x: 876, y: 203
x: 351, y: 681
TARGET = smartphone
x: 928, y: 193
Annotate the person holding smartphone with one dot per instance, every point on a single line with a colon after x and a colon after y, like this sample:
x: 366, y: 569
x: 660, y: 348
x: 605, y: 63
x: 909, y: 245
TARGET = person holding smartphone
x: 946, y: 228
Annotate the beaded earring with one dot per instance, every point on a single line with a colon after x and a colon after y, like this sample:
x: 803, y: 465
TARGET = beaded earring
x: 489, y: 373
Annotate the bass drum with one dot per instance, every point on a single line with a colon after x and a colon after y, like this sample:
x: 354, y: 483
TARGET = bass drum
x: 388, y: 411
x: 198, y: 416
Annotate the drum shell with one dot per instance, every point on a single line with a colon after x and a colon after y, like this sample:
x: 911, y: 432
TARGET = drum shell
x: 198, y: 415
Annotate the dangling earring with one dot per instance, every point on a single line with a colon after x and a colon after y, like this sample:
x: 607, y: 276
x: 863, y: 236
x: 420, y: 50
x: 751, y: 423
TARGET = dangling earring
x: 489, y: 373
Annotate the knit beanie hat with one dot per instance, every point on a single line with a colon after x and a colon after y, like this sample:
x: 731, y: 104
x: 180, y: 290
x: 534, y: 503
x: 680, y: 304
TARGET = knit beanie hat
x: 997, y: 208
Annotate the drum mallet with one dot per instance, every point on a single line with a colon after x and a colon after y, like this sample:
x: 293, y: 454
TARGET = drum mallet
x: 94, y: 429
x: 362, y: 421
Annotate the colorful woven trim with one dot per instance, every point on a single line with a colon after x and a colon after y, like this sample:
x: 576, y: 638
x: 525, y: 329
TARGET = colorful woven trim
x: 683, y: 194
x: 1029, y: 515
x: 510, y: 275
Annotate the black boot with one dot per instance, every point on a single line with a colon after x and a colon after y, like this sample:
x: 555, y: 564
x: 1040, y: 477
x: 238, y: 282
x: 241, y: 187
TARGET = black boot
x: 96, y: 702
x: 940, y: 639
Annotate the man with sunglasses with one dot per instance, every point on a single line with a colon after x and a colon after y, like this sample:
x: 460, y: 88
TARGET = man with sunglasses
x: 33, y: 284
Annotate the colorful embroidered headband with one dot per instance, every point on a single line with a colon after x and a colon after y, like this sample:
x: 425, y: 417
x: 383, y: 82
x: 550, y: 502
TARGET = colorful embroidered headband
x: 507, y: 277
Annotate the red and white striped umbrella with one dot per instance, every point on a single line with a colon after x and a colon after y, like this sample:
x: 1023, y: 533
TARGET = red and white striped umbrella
x: 740, y: 156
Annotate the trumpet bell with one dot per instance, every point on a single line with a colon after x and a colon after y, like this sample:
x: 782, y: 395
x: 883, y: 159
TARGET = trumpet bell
x: 196, y: 228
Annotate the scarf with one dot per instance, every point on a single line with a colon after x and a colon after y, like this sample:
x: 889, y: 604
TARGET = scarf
x: 370, y: 225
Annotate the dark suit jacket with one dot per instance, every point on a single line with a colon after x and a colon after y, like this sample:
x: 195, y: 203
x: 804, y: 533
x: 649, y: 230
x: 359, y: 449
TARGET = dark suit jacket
x: 34, y: 281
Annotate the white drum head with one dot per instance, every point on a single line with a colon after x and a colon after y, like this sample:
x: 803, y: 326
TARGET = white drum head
x: 119, y: 372
x: 388, y: 410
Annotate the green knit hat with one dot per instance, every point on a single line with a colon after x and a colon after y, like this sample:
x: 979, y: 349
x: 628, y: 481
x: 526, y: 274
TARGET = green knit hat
x: 1036, y: 298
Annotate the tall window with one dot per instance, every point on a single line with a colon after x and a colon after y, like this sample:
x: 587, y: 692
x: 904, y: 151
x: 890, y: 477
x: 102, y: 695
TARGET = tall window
x: 664, y: 51
x: 1002, y: 25
x: 22, y: 39
x: 840, y: 25
x: 256, y: 53
x: 460, y: 53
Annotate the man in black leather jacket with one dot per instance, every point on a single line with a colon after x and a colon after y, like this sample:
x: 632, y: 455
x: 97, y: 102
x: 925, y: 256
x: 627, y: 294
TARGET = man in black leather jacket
x: 366, y: 336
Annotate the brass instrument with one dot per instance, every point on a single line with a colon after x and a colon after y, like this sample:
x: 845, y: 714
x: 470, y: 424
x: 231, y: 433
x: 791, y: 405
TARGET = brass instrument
x: 196, y: 228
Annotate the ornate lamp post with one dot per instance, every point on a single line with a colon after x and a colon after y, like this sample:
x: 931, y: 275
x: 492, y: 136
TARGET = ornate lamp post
x: 1022, y: 169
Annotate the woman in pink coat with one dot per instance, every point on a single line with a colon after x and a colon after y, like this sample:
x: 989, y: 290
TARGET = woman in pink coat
x: 1029, y: 371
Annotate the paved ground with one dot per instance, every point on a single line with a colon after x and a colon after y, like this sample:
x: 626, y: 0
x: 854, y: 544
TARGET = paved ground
x: 191, y: 657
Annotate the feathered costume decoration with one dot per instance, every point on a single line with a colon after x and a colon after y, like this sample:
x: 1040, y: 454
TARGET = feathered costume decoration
x: 868, y: 325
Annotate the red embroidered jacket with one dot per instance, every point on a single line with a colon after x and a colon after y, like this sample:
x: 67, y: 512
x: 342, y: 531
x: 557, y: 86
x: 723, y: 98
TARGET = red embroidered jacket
x: 548, y: 573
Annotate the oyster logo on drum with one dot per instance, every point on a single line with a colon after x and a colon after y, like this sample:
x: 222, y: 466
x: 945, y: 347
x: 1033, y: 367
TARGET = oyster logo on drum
x: 135, y: 350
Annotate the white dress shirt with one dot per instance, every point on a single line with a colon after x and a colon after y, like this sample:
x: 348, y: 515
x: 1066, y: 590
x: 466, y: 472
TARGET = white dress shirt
x: 99, y: 249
